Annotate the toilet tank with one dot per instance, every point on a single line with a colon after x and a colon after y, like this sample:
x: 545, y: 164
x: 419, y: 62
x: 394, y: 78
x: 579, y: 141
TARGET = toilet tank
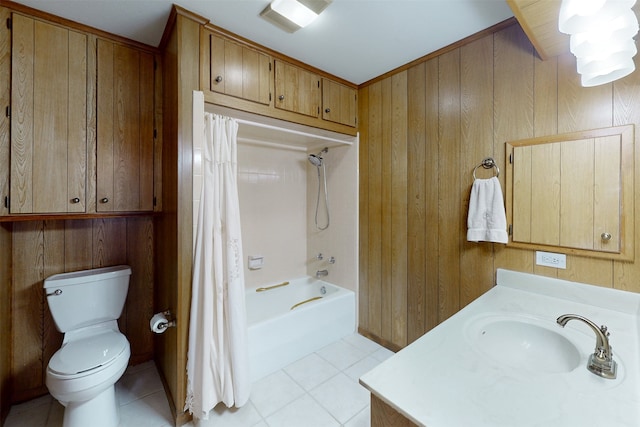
x: 87, y: 297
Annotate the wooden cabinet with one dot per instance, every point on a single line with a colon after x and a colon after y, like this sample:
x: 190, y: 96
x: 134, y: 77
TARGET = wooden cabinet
x: 125, y: 128
x: 339, y: 103
x: 573, y: 193
x: 297, y: 90
x: 239, y: 71
x: 48, y: 118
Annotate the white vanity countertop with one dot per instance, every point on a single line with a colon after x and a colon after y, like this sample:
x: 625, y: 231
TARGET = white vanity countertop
x: 443, y: 380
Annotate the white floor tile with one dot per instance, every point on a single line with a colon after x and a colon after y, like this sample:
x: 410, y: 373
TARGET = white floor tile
x: 341, y: 354
x: 221, y: 416
x: 362, y: 343
x: 302, y: 412
x: 383, y: 354
x: 362, y: 419
x: 274, y: 392
x: 360, y: 368
x: 150, y: 411
x: 138, y: 382
x: 311, y: 371
x: 342, y: 397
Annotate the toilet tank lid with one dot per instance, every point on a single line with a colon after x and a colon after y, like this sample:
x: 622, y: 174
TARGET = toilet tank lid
x: 84, y: 276
x: 88, y: 353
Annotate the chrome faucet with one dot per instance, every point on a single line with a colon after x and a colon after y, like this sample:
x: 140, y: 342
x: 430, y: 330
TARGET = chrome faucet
x: 601, y: 361
x: 322, y: 273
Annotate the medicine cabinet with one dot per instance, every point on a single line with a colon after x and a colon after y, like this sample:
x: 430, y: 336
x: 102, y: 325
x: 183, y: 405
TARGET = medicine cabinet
x: 573, y: 193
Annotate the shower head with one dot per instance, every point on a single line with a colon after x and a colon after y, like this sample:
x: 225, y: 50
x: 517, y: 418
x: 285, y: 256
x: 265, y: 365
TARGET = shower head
x: 316, y: 160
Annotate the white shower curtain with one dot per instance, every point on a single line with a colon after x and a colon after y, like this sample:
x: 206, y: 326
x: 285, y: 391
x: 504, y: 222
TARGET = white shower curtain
x: 217, y: 359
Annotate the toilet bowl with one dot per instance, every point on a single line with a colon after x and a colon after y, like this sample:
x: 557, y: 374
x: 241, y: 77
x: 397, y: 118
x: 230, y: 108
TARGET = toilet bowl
x: 82, y: 374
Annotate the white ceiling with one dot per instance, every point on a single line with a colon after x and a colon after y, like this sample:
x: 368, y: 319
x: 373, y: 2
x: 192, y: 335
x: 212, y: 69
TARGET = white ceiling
x: 356, y: 40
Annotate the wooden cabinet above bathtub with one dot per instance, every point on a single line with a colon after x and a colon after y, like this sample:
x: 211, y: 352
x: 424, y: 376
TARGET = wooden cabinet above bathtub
x: 233, y: 72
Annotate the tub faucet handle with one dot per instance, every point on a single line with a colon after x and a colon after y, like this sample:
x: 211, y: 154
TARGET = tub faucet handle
x: 332, y: 260
x: 319, y: 256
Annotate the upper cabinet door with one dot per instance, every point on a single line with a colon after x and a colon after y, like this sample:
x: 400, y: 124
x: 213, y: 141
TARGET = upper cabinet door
x: 297, y: 90
x: 573, y: 193
x: 125, y: 129
x: 48, y: 118
x: 239, y: 71
x: 339, y: 103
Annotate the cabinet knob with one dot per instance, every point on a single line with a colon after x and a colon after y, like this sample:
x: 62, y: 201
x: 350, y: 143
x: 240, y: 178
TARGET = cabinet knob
x: 281, y: 97
x: 104, y: 200
x: 218, y: 79
x: 75, y: 200
x: 606, y: 236
x: 327, y: 110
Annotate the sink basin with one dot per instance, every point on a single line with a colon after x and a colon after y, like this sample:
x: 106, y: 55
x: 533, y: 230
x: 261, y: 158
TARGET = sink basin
x: 523, y: 345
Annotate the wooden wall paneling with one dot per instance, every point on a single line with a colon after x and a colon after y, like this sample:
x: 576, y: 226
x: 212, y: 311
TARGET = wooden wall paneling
x: 146, y: 129
x: 78, y: 248
x: 54, y: 263
x: 5, y: 317
x: 476, y: 116
x: 139, y: 308
x: 105, y: 131
x: 376, y: 162
x: 513, y: 116
x: 399, y: 227
x: 417, y: 169
x: 27, y: 310
x: 364, y: 283
x: 22, y: 118
x: 386, y: 189
x: 92, y: 111
x: 158, y: 135
x: 626, y: 110
x: 109, y: 238
x: 433, y: 169
x: 5, y: 122
x: 579, y: 109
x: 449, y: 233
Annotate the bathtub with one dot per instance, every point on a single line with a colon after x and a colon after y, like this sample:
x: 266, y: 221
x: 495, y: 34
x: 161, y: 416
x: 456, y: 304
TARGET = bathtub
x: 289, y: 322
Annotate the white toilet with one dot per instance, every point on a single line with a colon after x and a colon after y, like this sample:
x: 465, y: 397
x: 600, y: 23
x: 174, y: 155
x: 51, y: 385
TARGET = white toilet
x: 81, y: 375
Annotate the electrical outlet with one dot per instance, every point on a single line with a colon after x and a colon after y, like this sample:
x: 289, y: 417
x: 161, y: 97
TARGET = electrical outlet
x: 550, y: 259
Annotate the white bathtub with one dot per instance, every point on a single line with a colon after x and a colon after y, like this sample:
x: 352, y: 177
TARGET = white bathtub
x: 280, y: 334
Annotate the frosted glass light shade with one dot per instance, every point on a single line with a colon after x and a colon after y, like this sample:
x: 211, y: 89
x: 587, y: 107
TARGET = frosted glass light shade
x: 618, y: 30
x: 623, y: 69
x: 579, y: 16
x: 294, y: 12
x: 601, y: 61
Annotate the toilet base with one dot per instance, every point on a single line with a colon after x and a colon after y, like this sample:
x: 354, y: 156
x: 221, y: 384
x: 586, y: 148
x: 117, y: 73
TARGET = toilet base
x: 101, y: 411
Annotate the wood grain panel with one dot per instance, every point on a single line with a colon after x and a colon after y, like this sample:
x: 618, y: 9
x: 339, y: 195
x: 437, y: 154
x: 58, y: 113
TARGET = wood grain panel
x: 417, y: 169
x: 5, y: 316
x: 5, y: 122
x: 383, y: 415
x: 450, y: 213
x: 607, y: 206
x: 375, y: 161
x: 28, y: 307
x: 476, y: 122
x: 546, y: 169
x: 105, y: 132
x: 22, y: 98
x: 363, y: 212
x: 399, y: 228
x: 386, y: 223
x: 53, y: 233
x: 146, y: 130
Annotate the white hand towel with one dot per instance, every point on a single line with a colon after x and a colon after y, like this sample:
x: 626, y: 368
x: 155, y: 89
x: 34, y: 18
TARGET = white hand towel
x: 487, y: 220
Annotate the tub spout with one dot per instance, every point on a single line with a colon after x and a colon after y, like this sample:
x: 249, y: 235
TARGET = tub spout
x: 601, y: 361
x: 322, y: 273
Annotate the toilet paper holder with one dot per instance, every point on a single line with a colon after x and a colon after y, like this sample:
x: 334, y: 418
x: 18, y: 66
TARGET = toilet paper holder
x: 170, y: 323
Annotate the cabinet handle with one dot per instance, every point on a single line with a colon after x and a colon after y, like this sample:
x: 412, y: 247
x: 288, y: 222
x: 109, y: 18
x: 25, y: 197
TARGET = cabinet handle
x: 218, y: 79
x: 606, y: 236
x: 104, y: 200
x: 327, y: 110
x: 281, y: 97
x: 75, y: 200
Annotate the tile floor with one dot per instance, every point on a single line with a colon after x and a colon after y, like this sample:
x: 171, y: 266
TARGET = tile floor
x: 318, y: 390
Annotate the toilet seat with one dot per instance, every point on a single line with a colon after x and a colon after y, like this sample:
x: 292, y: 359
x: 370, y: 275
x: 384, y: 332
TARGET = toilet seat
x: 85, y: 355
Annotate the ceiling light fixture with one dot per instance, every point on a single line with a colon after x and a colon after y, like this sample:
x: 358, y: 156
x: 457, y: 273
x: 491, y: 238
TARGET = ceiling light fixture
x: 601, y: 37
x: 292, y: 15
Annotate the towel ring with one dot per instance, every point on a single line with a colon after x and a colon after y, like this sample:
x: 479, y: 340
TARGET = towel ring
x: 487, y: 163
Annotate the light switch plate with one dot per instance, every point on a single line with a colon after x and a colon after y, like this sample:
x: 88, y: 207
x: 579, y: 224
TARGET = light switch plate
x: 551, y: 259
